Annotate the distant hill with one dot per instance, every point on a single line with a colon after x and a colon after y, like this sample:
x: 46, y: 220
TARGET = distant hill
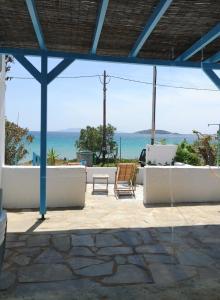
x: 71, y: 130
x: 158, y: 131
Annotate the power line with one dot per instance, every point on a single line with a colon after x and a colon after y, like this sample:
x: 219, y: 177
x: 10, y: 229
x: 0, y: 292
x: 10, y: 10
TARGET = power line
x: 165, y: 85
x: 125, y: 79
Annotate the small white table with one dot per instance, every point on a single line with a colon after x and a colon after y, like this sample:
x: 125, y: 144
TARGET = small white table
x: 100, y: 177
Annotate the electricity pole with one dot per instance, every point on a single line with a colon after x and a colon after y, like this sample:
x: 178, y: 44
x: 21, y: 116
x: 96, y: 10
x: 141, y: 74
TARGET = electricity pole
x: 104, y: 142
x: 154, y: 105
x: 104, y: 146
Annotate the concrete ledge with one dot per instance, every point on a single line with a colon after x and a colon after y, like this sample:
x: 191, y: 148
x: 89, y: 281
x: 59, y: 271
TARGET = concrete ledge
x: 65, y: 186
x: 181, y: 184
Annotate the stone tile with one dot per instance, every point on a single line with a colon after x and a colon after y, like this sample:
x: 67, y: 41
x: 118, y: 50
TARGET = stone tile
x: 160, y: 258
x: 21, y: 260
x: 30, y: 252
x: 208, y: 273
x: 8, y: 253
x: 192, y: 257
x: 106, y: 240
x: 81, y: 262
x: 212, y: 250
x: 146, y: 236
x: 7, y: 279
x: 166, y: 274
x: 23, y: 237
x: 114, y: 251
x: 11, y: 237
x: 131, y: 238
x: 80, y: 251
x: 5, y: 266
x: 44, y: 272
x: 10, y: 245
x: 38, y: 240
x: 137, y: 260
x: 128, y: 274
x: 83, y: 240
x: 77, y: 289
x: 120, y: 260
x: 152, y: 249
x: 96, y: 270
x: 61, y: 242
x: 49, y: 256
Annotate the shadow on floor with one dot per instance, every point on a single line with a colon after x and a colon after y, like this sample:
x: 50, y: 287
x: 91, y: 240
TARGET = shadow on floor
x: 122, y: 263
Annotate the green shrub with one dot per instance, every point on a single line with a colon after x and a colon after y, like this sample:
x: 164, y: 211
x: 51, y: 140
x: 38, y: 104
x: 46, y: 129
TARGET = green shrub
x: 187, y: 154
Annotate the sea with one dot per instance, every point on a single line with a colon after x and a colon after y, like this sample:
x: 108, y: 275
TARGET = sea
x: 131, y: 143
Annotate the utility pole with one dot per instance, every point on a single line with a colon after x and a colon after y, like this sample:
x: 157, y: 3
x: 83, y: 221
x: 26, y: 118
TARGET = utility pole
x: 154, y: 105
x: 218, y: 146
x: 104, y: 143
x: 104, y: 146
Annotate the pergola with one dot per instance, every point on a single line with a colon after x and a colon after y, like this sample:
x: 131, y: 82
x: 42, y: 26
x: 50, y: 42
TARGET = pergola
x: 175, y: 33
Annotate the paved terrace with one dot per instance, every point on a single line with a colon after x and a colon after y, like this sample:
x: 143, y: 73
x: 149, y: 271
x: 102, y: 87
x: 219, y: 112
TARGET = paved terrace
x: 114, y: 249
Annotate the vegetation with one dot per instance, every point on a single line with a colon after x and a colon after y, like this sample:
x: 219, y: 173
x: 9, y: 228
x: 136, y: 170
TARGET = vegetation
x: 201, y: 152
x: 16, y: 140
x: 91, y: 139
x: 206, y: 149
x: 187, y: 154
x: 52, y: 156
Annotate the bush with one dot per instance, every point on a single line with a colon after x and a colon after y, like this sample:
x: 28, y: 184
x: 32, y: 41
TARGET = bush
x: 187, y: 154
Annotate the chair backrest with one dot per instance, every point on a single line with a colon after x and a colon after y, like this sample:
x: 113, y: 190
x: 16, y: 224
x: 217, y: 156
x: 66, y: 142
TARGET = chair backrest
x: 125, y: 172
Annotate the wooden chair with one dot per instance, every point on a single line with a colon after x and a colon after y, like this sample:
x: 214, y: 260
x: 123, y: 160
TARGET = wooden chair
x: 125, y: 179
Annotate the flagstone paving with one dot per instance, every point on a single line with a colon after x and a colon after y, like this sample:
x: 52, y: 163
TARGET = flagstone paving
x: 147, y: 258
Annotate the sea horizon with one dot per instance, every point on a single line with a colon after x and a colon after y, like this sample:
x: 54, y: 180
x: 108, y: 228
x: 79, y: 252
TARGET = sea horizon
x: 131, y: 143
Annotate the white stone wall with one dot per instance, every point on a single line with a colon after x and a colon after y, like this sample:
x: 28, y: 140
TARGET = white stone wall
x: 65, y: 186
x: 2, y: 114
x: 181, y: 184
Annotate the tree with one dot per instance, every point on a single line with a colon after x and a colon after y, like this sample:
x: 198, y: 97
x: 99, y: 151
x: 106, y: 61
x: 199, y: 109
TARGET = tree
x: 16, y: 140
x: 91, y: 139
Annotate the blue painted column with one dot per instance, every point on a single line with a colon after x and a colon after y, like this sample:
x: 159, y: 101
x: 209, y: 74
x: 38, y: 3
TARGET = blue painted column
x: 43, y: 137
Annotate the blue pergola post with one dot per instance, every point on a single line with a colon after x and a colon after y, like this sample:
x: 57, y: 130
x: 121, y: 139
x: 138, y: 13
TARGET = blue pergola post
x: 43, y: 136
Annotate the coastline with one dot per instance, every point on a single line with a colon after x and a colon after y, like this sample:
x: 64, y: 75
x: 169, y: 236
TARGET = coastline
x: 131, y: 143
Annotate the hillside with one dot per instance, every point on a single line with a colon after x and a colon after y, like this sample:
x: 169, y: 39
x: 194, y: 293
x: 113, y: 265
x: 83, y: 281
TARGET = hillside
x: 158, y: 131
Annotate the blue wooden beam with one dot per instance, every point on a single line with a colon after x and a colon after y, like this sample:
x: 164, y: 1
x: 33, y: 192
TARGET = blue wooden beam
x: 212, y: 75
x: 149, y: 27
x: 105, y: 58
x: 213, y: 59
x: 58, y: 69
x: 213, y: 34
x: 43, y: 137
x: 99, y: 24
x: 36, y: 23
x: 28, y: 66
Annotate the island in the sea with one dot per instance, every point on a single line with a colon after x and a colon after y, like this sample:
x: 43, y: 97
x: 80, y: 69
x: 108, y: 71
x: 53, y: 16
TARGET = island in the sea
x: 158, y: 131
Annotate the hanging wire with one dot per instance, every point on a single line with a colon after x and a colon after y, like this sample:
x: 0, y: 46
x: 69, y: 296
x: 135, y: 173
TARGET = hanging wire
x: 125, y: 79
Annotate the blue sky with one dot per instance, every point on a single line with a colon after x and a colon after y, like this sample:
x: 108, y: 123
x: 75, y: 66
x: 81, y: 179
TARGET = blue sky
x: 75, y: 103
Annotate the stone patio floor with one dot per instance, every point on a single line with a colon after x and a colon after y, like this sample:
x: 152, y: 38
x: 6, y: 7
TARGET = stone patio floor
x: 113, y: 249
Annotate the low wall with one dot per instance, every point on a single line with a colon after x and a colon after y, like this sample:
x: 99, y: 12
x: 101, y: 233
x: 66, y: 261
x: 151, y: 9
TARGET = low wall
x: 182, y: 184
x: 65, y: 186
x: 111, y: 172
